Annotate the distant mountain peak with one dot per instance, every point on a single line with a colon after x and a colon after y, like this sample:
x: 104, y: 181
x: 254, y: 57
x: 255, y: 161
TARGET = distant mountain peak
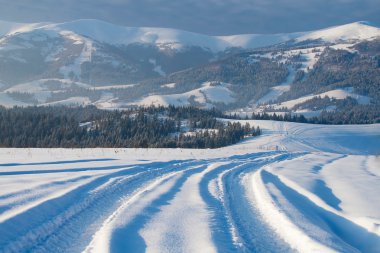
x: 9, y: 28
x: 361, y: 30
x: 121, y: 35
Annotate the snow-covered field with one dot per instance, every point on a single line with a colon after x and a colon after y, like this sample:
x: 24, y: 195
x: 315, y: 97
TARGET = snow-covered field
x: 298, y: 187
x: 209, y: 92
x: 337, y: 94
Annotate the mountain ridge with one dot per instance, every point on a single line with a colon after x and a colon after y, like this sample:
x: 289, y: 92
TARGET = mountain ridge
x: 95, y: 62
x: 115, y: 34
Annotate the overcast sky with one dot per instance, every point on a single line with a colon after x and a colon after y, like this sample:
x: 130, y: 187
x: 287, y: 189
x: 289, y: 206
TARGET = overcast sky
x: 216, y: 17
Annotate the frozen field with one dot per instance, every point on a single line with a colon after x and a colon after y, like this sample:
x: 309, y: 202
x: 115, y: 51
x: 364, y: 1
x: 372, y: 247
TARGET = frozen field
x: 298, y: 187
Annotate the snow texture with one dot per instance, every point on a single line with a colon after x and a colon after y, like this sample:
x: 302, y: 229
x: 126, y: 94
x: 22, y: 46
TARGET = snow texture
x: 337, y: 94
x: 297, y: 187
x: 206, y: 95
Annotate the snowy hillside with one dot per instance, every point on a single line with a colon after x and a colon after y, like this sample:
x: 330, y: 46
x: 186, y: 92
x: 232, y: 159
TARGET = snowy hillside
x: 336, y: 94
x: 349, y: 32
x: 113, y: 34
x: 75, y: 62
x: 9, y: 28
x: 298, y: 187
x: 204, y: 97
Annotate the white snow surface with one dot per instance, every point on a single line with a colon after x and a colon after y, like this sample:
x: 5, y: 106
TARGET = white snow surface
x: 297, y: 187
x: 119, y: 86
x: 354, y: 31
x: 75, y: 69
x: 169, y: 85
x: 166, y: 37
x: 9, y: 28
x: 277, y: 91
x: 206, y: 95
x: 338, y: 94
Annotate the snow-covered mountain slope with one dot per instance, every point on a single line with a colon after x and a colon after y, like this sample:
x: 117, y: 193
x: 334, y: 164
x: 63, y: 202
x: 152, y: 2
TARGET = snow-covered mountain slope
x: 119, y: 35
x: 349, y: 32
x: 321, y: 78
x: 9, y: 28
x: 337, y: 94
x: 297, y: 187
x: 62, y: 62
x: 209, y: 94
x: 113, y: 34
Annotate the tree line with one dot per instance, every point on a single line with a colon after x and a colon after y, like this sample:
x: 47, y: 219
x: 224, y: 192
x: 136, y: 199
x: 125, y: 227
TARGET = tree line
x: 358, y: 114
x: 88, y: 127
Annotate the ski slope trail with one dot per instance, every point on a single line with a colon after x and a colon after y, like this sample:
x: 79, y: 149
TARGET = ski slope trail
x: 296, y: 188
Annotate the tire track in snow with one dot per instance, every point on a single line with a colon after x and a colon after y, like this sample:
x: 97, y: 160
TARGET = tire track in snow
x: 182, y: 221
x: 306, y: 222
x: 72, y: 226
x: 251, y: 234
x: 213, y: 192
x: 188, y: 206
x: 124, y: 224
x: 66, y: 222
x: 135, y: 204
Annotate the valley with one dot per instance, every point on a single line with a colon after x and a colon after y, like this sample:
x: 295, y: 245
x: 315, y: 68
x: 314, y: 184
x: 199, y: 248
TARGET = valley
x: 91, y: 62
